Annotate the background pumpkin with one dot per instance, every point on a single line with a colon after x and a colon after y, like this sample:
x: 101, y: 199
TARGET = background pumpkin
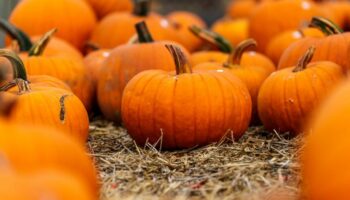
x: 104, y: 7
x: 234, y: 31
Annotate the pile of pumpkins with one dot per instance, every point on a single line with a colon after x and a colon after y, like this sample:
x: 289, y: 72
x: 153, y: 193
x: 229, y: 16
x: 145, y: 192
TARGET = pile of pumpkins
x: 172, y: 82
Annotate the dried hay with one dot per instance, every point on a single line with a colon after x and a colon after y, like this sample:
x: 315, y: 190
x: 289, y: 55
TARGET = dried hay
x: 251, y: 168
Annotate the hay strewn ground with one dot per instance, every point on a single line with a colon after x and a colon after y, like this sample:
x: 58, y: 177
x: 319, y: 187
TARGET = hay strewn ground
x: 260, y: 162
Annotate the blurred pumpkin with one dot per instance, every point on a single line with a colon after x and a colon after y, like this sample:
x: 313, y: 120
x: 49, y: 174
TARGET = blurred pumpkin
x: 340, y: 10
x: 73, y: 18
x: 104, y: 7
x: 288, y: 96
x: 178, y: 108
x: 241, y: 8
x: 234, y: 31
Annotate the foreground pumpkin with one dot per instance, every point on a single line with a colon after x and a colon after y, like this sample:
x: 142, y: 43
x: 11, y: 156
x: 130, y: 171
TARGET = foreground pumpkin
x: 288, y: 96
x: 185, y: 109
x: 73, y: 18
x: 251, y: 75
x: 28, y: 149
x: 124, y: 63
x: 39, y: 103
x: 325, y: 158
x: 59, y: 185
x: 335, y: 47
x: 104, y: 7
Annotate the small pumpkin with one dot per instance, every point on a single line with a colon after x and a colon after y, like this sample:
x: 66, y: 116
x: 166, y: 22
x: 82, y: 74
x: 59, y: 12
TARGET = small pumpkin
x: 288, y: 96
x: 44, y: 149
x: 325, y: 159
x: 41, y: 104
x: 335, y: 47
x: 234, y: 30
x: 104, y: 7
x: 124, y: 63
x: 73, y: 18
x: 178, y: 108
x: 241, y: 8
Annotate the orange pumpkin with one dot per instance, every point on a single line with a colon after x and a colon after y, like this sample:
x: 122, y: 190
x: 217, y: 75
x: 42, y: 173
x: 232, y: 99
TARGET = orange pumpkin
x: 251, y: 75
x: 182, y: 20
x: 50, y: 183
x: 281, y: 42
x: 73, y: 18
x: 178, y: 108
x: 266, y: 21
x: 118, y: 28
x: 288, y: 96
x: 124, y: 63
x: 104, y: 7
x: 335, y: 47
x: 325, y: 157
x: 40, y: 104
x: 241, y: 8
x: 234, y: 31
x: 340, y: 10
x: 94, y: 62
x: 45, y: 148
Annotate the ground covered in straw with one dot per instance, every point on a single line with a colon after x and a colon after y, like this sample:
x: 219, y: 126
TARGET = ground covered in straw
x: 251, y: 168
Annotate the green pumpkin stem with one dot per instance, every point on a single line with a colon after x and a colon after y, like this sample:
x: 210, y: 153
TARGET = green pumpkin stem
x: 305, y: 59
x: 236, y: 56
x: 23, y: 39
x: 141, y: 7
x: 39, y: 47
x: 143, y: 34
x: 212, y: 38
x: 326, y: 26
x: 181, y: 63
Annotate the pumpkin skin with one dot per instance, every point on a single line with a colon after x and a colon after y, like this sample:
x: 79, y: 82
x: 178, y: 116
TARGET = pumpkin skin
x: 281, y: 42
x: 182, y: 20
x: 50, y: 182
x: 266, y: 21
x: 340, y: 10
x: 208, y: 56
x: 241, y: 9
x: 74, y: 24
x: 287, y: 97
x: 61, y: 152
x: 179, y: 108
x: 233, y: 30
x: 94, y: 62
x: 105, y: 7
x: 332, y: 117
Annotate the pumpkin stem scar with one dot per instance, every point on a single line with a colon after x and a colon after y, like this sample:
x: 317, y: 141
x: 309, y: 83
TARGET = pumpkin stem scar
x: 236, y: 56
x: 63, y: 108
x: 143, y: 34
x: 305, y: 60
x: 181, y: 63
x: 326, y: 26
x: 212, y: 38
x: 40, y: 46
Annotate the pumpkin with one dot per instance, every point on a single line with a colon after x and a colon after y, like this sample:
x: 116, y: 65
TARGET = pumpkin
x: 94, y: 62
x: 334, y: 47
x: 55, y: 47
x: 45, y: 148
x: 251, y: 75
x: 220, y: 43
x: 118, y: 28
x: 288, y: 96
x: 124, y: 63
x: 266, y: 21
x: 184, y: 109
x: 50, y: 183
x: 234, y: 31
x: 104, y: 7
x: 40, y: 104
x: 281, y: 42
x: 182, y: 20
x: 340, y: 10
x: 73, y: 18
x: 325, y: 157
x: 241, y: 8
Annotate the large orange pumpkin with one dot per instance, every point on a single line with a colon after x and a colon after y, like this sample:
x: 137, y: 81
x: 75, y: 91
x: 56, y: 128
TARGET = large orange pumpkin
x: 124, y: 63
x: 40, y: 104
x: 335, y: 47
x: 185, y: 109
x: 73, y: 18
x: 325, y: 158
x: 31, y: 149
x: 288, y: 96
x: 274, y: 17
x: 105, y: 7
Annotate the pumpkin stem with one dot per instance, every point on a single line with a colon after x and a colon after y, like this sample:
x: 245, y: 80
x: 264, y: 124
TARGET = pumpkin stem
x: 23, y: 39
x: 236, y: 56
x: 91, y: 46
x: 181, y: 63
x: 212, y: 38
x: 326, y: 26
x: 23, y: 86
x: 39, y: 47
x: 141, y: 7
x: 18, y: 67
x: 305, y: 60
x: 143, y: 34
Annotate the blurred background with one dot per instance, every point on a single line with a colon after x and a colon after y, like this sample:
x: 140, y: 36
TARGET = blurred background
x: 210, y: 10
